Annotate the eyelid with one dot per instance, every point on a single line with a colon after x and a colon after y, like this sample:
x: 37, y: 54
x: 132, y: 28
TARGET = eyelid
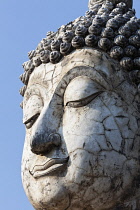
x: 32, y: 108
x: 31, y: 121
x: 83, y: 101
x: 80, y: 91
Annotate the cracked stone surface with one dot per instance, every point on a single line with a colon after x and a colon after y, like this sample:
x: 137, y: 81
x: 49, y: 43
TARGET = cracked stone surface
x: 82, y: 144
x: 81, y: 110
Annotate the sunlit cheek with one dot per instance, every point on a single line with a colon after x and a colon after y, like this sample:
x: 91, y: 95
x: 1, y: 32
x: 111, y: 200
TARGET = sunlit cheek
x: 82, y: 125
x: 82, y: 163
x: 27, y: 154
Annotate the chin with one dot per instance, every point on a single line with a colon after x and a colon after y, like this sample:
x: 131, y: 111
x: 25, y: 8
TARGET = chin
x: 45, y: 193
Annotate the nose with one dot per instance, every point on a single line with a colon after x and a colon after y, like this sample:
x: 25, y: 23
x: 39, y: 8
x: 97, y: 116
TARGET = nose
x: 45, y: 136
x: 42, y: 143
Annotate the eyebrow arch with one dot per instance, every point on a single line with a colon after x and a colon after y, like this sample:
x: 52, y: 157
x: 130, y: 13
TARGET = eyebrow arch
x: 92, y: 73
x: 33, y: 90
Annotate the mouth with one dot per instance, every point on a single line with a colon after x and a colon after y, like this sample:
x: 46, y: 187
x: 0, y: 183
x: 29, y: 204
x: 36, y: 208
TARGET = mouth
x: 50, y: 166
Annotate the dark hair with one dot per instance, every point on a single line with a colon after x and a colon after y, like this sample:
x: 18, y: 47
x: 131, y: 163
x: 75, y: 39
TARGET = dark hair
x: 112, y: 28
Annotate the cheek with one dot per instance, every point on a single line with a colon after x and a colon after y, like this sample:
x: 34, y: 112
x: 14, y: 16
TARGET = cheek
x: 104, y: 124
x: 83, y: 127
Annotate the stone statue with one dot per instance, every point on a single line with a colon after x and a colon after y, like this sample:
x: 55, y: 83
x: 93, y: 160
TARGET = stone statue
x: 81, y: 110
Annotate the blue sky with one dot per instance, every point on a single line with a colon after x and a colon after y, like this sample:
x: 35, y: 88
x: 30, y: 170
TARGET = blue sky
x: 23, y: 24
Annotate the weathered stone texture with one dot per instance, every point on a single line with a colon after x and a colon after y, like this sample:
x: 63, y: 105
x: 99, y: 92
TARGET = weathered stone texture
x: 82, y: 118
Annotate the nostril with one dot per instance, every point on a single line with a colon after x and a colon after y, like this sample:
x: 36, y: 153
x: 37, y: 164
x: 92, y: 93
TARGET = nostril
x: 55, y: 139
x: 41, y: 144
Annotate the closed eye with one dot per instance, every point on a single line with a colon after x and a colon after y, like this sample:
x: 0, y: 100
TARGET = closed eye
x: 31, y: 121
x: 84, y: 101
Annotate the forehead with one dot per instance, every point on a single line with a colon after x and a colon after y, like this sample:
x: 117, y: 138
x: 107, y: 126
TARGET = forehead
x: 49, y: 75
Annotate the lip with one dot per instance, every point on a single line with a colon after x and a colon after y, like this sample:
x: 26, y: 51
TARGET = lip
x: 50, y: 166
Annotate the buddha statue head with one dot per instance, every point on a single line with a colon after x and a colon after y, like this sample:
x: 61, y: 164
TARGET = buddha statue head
x: 82, y: 115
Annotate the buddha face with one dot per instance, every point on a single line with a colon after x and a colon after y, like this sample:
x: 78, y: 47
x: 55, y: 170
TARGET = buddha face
x: 82, y: 134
